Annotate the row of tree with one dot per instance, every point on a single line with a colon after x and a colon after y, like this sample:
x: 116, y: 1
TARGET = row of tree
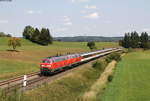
x: 42, y: 37
x: 2, y: 34
x: 133, y: 40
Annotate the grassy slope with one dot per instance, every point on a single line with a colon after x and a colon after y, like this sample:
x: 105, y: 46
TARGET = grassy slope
x: 131, y: 80
x: 30, y: 55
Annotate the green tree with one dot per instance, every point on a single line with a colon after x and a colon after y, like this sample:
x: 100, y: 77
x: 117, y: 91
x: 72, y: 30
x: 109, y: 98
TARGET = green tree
x: 147, y: 45
x: 132, y: 40
x: 14, y: 42
x: 91, y: 45
x: 49, y: 37
x: 120, y: 42
x: 45, y: 38
x: 35, y: 36
x: 8, y: 35
x: 135, y: 40
x: 28, y: 32
x: 144, y: 39
x: 2, y: 34
x: 126, y: 40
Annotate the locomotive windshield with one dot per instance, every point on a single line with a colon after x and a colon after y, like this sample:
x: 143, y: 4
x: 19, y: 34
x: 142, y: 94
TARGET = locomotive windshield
x: 46, y: 61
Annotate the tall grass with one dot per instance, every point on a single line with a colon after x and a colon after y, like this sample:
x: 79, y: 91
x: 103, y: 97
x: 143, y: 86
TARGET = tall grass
x: 98, y: 87
x: 113, y: 56
x: 68, y: 88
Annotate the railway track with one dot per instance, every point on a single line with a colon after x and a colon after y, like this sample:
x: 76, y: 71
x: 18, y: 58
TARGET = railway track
x: 5, y: 82
x: 35, y: 78
x: 17, y: 82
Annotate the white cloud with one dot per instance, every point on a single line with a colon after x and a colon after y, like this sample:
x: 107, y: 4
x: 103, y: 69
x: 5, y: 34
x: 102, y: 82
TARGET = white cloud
x: 73, y: 0
x: 30, y: 12
x: 87, y: 28
x: 39, y: 12
x: 66, y: 18
x: 83, y: 11
x: 107, y: 21
x: 34, y: 12
x: 146, y: 29
x: 80, y: 0
x: 3, y: 21
x: 57, y: 30
x: 92, y: 15
x: 67, y: 21
x: 90, y: 7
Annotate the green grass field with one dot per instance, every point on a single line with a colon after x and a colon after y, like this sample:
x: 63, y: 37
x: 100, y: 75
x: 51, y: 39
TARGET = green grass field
x: 131, y: 79
x: 30, y: 55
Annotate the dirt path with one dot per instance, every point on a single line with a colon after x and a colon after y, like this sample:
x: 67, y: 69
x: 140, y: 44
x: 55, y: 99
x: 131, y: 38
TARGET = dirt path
x: 98, y: 86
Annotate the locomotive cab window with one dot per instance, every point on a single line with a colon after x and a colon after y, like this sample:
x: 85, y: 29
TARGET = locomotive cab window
x: 59, y: 59
x: 46, y: 61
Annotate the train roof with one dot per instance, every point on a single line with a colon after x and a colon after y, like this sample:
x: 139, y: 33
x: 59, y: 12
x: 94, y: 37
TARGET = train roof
x: 64, y: 56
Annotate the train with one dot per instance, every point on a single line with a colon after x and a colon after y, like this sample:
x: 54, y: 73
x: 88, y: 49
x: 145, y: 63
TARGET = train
x: 52, y: 64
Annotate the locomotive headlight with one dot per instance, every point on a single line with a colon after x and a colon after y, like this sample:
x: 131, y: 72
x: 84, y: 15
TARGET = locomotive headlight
x: 42, y: 65
x: 49, y: 65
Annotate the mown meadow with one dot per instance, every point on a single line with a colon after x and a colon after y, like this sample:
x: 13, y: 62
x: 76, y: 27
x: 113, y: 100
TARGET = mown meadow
x: 30, y: 55
x: 131, y: 79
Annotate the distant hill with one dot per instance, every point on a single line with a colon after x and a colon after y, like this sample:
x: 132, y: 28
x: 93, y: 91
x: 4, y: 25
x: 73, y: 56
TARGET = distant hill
x: 88, y: 38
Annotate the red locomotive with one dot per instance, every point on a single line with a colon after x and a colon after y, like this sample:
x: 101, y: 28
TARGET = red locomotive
x: 52, y: 64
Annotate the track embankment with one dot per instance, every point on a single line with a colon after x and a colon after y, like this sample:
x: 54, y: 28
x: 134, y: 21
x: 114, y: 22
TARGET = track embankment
x: 98, y: 86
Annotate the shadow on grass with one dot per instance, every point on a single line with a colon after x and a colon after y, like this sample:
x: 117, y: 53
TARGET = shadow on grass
x: 11, y: 50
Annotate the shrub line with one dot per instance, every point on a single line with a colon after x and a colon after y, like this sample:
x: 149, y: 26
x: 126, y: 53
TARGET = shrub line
x: 98, y: 86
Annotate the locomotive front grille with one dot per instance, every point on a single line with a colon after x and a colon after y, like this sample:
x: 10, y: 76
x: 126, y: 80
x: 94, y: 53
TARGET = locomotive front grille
x: 45, y: 69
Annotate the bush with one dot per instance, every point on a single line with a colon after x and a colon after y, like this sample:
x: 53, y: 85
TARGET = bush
x: 91, y: 45
x: 14, y: 42
x: 110, y: 78
x: 147, y: 45
x: 113, y: 56
x: 15, y: 95
x: 130, y: 50
x: 108, y: 60
x: 99, y: 65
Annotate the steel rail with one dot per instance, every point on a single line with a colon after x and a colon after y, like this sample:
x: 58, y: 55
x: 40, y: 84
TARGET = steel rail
x: 17, y: 78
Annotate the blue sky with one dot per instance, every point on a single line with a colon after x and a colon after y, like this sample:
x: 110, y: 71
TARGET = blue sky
x: 76, y: 17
